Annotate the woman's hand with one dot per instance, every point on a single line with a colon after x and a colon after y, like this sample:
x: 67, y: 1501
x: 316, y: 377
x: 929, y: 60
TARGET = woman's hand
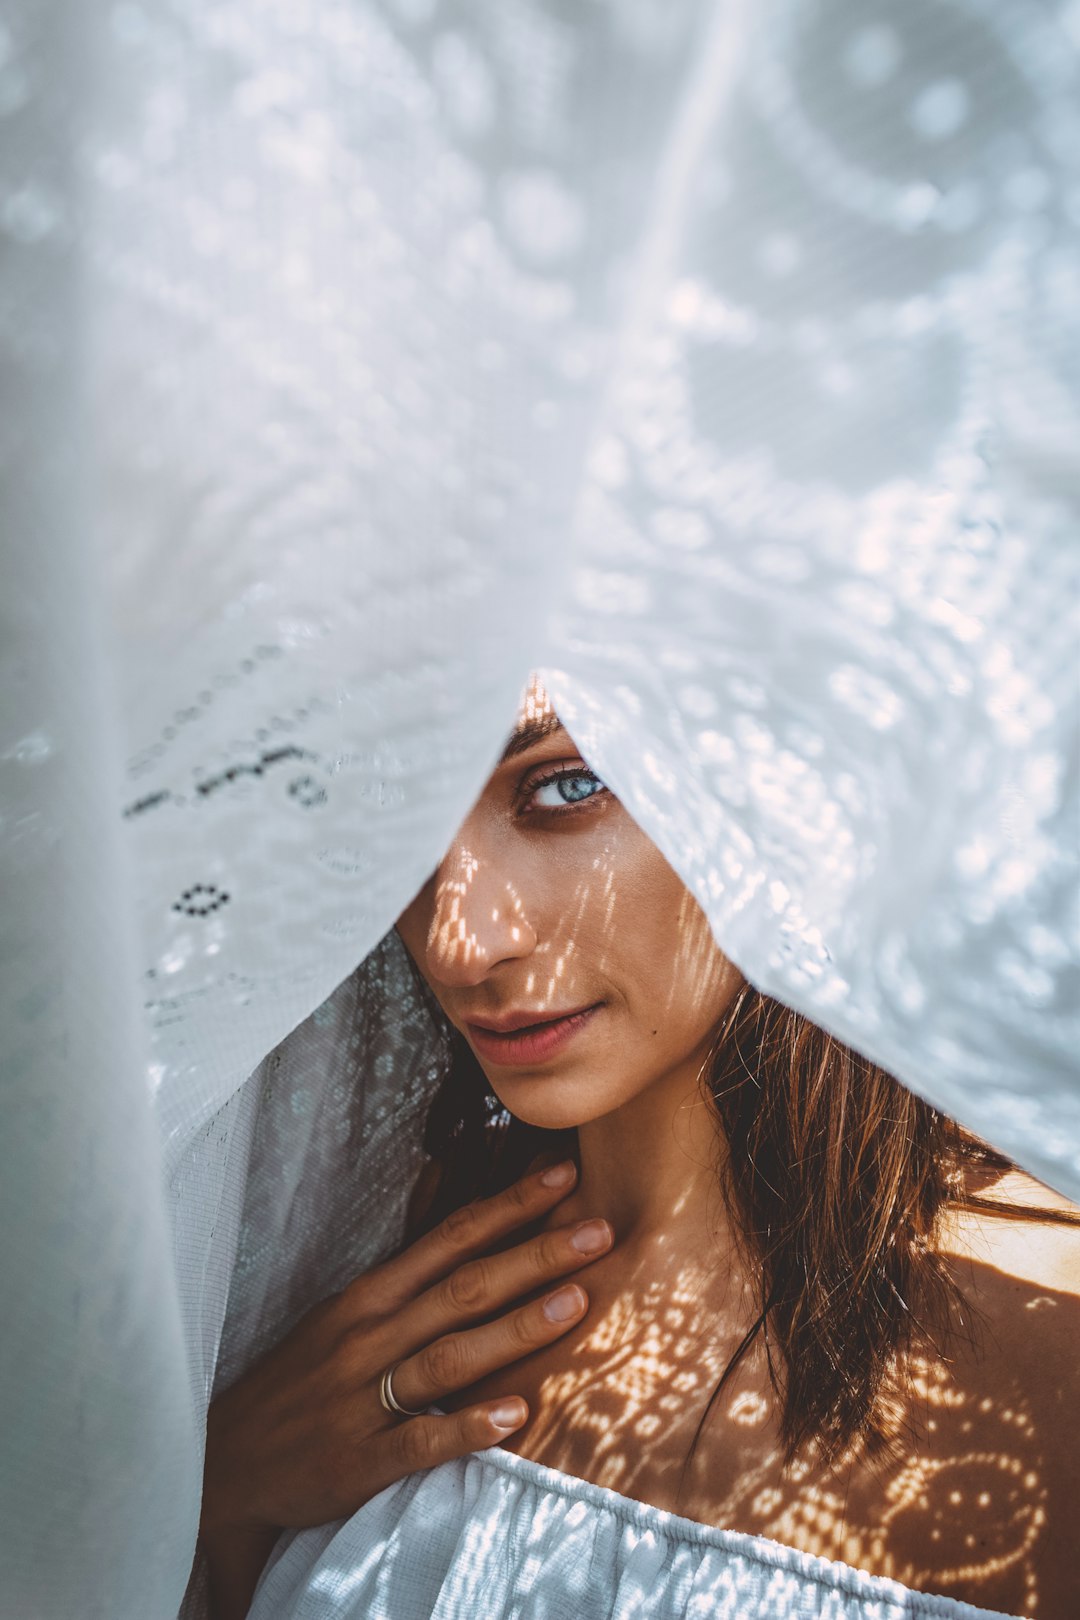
x: 302, y: 1438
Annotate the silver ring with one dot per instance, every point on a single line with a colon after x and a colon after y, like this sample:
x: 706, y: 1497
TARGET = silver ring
x: 389, y: 1400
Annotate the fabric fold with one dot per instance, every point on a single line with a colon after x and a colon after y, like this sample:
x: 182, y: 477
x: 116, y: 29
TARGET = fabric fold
x: 497, y: 1535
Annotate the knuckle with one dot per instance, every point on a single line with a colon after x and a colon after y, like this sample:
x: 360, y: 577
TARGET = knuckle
x: 444, y: 1362
x: 467, y: 1287
x: 414, y: 1446
x: 351, y: 1348
x: 350, y: 1342
x: 461, y: 1226
x: 518, y: 1196
x: 526, y: 1329
x: 323, y: 1325
x: 475, y: 1431
x: 369, y: 1298
x: 362, y: 1295
x: 551, y: 1253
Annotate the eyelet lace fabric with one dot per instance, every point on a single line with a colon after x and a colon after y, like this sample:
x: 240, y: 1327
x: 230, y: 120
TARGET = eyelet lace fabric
x: 719, y: 362
x: 496, y: 1534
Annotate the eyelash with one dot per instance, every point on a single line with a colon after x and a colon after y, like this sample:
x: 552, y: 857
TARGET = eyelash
x: 530, y: 789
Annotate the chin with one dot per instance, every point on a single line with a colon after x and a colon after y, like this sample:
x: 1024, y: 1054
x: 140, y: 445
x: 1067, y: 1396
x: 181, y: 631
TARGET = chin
x: 556, y: 1103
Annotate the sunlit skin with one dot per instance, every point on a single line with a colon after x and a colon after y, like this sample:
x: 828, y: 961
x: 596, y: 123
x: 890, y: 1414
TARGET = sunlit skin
x: 539, y: 905
x: 552, y: 898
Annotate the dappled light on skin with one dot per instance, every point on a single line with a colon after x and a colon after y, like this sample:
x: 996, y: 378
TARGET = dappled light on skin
x: 955, y: 1506
x: 971, y: 1485
x: 693, y: 971
x: 536, y: 703
x: 450, y: 936
x: 449, y: 930
x: 572, y: 909
x: 622, y: 1389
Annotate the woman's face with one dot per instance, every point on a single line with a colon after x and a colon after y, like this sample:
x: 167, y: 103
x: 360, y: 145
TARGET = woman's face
x: 551, y: 901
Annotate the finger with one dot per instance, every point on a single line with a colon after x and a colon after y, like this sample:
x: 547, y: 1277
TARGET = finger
x: 543, y: 1161
x: 457, y: 1360
x: 468, y: 1231
x: 424, y: 1442
x: 479, y: 1287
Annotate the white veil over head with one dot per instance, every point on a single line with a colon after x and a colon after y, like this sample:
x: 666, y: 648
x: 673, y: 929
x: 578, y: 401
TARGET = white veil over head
x: 719, y: 362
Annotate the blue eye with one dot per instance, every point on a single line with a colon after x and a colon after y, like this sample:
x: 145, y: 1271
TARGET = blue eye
x: 567, y: 788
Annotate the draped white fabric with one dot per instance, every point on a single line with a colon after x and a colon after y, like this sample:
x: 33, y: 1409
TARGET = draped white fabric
x: 719, y: 361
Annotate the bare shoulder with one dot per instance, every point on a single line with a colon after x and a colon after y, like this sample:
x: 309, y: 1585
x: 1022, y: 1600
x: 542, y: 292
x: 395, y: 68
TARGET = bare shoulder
x: 992, y: 1482
x: 1041, y: 1252
x: 1021, y: 1278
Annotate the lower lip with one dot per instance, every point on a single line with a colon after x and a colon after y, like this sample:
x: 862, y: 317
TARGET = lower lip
x: 531, y: 1045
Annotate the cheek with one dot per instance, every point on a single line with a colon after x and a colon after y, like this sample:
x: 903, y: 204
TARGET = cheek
x: 414, y: 924
x: 673, y: 968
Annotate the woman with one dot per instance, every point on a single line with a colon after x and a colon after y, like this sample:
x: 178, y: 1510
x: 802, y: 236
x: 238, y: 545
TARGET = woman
x: 804, y: 1319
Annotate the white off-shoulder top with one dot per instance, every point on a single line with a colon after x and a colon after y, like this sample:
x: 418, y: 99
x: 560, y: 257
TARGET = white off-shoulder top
x: 495, y: 1536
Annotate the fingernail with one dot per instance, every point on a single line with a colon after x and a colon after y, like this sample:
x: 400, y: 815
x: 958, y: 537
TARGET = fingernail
x: 562, y: 1306
x: 590, y: 1237
x: 508, y: 1414
x: 560, y: 1175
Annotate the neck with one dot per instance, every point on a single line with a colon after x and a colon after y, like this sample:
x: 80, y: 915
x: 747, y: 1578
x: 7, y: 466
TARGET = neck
x: 651, y: 1167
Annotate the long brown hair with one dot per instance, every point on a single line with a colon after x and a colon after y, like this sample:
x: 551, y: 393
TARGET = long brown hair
x: 835, y: 1179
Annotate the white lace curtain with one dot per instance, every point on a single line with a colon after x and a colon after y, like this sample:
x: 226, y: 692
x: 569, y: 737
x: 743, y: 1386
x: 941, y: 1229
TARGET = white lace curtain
x: 719, y: 361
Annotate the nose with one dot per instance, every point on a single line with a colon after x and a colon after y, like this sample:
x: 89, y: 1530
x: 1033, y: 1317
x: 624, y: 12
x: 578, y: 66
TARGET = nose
x: 478, y: 919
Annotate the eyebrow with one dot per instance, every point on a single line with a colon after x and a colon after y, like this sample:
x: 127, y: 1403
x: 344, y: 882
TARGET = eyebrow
x: 529, y: 733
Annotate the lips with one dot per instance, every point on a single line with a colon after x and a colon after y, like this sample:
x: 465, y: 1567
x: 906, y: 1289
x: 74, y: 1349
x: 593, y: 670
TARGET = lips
x: 533, y: 1042
x: 511, y: 1021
